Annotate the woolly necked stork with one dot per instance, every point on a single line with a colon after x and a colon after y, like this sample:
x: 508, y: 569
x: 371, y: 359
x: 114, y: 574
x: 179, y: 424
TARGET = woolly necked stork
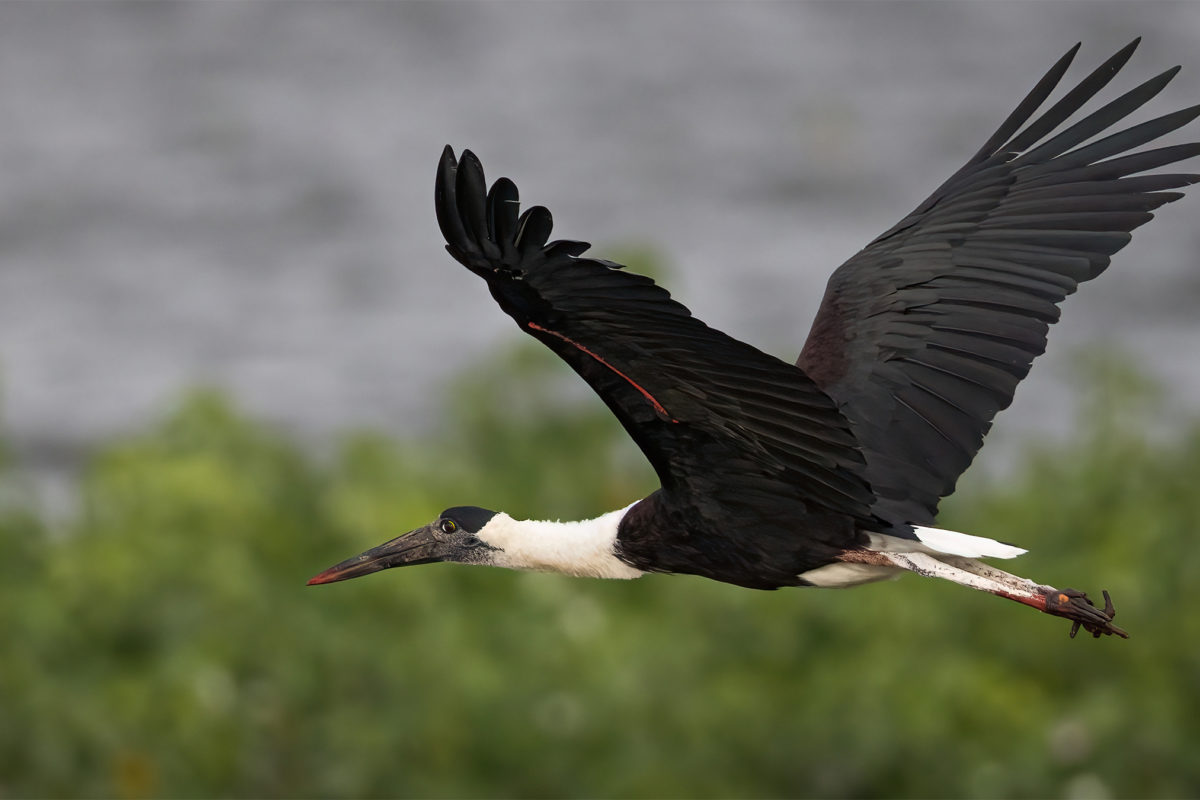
x: 826, y: 472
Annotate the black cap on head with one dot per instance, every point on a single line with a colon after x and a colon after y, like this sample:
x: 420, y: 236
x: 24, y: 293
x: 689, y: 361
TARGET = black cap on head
x: 470, y: 518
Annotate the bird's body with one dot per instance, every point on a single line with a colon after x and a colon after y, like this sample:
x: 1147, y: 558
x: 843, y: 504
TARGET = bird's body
x: 826, y: 472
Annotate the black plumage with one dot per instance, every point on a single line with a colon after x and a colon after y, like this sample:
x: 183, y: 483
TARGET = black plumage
x: 923, y: 336
x: 771, y: 470
x: 724, y: 425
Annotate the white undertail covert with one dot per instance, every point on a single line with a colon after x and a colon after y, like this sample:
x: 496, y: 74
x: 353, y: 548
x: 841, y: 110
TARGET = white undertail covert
x: 930, y: 553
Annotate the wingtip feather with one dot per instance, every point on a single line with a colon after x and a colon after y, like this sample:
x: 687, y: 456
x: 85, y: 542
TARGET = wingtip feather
x: 503, y: 205
x: 483, y: 228
x: 533, y: 230
x: 444, y: 201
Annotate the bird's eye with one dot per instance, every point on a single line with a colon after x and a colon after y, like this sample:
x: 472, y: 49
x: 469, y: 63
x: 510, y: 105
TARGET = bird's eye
x: 448, y: 526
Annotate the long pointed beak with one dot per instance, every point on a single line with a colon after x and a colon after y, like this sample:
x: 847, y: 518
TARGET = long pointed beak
x: 417, y: 547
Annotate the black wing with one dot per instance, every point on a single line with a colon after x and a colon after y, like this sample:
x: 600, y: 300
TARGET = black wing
x: 712, y: 414
x: 922, y: 337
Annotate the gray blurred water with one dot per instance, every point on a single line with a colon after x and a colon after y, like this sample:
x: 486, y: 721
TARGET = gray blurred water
x: 240, y: 194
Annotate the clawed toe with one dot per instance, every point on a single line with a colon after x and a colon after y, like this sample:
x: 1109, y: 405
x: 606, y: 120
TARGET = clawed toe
x: 1078, y: 607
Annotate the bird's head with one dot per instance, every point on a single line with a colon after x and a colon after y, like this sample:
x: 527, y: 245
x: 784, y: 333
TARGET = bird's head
x: 453, y: 536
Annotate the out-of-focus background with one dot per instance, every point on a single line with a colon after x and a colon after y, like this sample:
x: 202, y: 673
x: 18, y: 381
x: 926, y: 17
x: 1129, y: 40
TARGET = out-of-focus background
x: 233, y: 352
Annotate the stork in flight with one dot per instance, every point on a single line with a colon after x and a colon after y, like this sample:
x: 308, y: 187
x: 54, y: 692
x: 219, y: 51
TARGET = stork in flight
x: 826, y: 472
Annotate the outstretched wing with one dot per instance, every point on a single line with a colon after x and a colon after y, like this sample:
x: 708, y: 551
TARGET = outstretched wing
x: 712, y: 414
x: 922, y: 337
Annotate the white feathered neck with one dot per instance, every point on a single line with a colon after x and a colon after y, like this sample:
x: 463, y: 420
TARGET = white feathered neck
x: 585, y: 549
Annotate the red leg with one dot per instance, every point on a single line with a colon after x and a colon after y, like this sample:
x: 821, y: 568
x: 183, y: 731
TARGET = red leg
x: 1066, y: 603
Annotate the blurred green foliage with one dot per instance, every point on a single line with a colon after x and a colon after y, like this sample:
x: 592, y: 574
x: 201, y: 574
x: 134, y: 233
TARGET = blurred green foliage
x: 160, y: 640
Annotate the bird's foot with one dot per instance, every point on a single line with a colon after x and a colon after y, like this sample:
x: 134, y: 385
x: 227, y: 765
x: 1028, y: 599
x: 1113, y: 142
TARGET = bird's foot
x: 1077, y: 607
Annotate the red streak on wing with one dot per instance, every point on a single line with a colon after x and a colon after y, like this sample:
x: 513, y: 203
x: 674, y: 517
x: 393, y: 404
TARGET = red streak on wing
x: 657, y: 405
